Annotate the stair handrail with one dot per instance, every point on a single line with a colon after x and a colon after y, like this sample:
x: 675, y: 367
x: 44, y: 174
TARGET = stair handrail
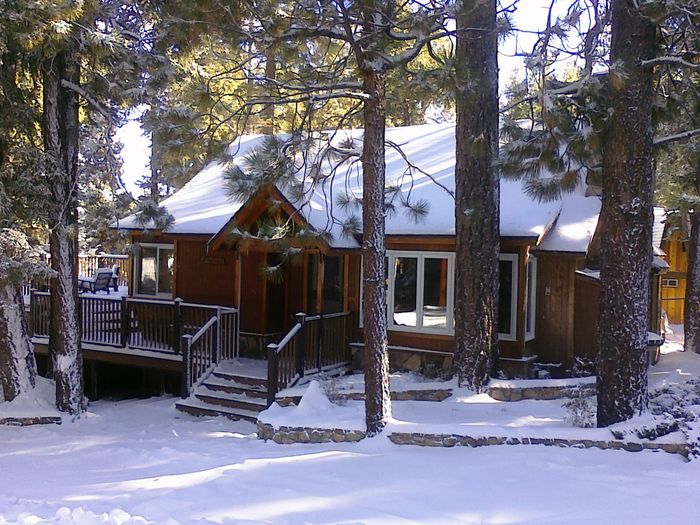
x: 273, y: 352
x: 187, y: 341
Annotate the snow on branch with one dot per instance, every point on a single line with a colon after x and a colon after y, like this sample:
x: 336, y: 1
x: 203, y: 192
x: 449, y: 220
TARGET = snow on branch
x: 660, y: 141
x: 669, y: 60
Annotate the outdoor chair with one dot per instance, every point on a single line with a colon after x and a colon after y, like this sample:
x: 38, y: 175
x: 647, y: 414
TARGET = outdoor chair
x: 100, y: 281
x: 115, y: 277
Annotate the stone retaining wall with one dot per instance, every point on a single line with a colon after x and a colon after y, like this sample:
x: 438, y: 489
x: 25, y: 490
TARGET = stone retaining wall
x: 289, y: 435
x: 27, y: 421
x: 539, y: 393
x: 454, y: 440
x: 406, y: 395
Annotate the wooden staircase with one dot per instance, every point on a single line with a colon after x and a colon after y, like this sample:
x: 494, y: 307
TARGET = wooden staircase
x: 231, y: 390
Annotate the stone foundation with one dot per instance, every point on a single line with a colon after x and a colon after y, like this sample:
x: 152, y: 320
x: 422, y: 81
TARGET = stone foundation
x: 454, y: 440
x: 289, y: 435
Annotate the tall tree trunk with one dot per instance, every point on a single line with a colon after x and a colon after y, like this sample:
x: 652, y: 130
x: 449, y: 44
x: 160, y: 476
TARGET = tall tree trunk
x: 627, y: 213
x: 691, y: 321
x: 60, y: 130
x: 268, y: 113
x: 476, y: 195
x: 17, y: 364
x: 376, y: 360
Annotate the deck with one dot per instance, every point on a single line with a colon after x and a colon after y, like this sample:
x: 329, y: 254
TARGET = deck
x: 199, y: 341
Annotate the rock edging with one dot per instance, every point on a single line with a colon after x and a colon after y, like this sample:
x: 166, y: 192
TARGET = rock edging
x: 455, y: 440
x: 436, y: 395
x: 540, y: 393
x: 288, y: 435
x: 28, y: 421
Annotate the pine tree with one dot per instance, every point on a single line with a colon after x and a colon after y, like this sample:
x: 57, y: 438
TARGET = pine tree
x: 627, y: 213
x: 477, y: 200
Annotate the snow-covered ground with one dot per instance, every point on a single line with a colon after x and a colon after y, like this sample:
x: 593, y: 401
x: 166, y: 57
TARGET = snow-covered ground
x: 136, y: 462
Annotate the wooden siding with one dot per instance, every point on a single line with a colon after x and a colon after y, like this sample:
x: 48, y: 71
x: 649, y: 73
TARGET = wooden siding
x: 672, y: 298
x: 554, y: 322
x: 587, y: 292
x: 253, y: 293
x: 204, y: 278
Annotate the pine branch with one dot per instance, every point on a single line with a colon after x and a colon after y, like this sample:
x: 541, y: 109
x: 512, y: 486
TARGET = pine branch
x: 661, y: 141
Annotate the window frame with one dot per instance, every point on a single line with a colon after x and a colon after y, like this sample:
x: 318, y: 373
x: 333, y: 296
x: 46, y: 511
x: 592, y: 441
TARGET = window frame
x: 392, y: 255
x: 513, y: 334
x: 530, y: 291
x: 669, y: 282
x: 137, y: 270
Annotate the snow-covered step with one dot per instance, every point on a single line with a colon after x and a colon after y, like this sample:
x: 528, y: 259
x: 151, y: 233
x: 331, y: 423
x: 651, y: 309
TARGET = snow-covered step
x: 233, y: 387
x: 241, y: 379
x: 196, y: 407
x: 225, y: 399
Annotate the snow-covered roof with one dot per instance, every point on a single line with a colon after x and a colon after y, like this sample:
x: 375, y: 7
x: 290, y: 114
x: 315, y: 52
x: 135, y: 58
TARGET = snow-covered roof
x: 203, y: 206
x: 657, y: 233
x: 575, y: 225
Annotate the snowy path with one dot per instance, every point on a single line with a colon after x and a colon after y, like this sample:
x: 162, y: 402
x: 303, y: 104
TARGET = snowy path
x: 143, y: 459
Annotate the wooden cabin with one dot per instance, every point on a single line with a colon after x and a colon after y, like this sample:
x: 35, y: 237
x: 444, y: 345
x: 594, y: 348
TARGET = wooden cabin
x: 212, y: 255
x: 244, y: 296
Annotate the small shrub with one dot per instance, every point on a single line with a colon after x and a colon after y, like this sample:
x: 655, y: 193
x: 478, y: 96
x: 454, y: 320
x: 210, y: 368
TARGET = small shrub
x: 331, y: 387
x: 581, y: 408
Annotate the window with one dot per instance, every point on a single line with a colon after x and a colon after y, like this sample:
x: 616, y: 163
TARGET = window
x: 420, y: 294
x: 669, y: 283
x: 507, y: 296
x: 420, y: 291
x: 333, y: 283
x: 154, y: 270
x: 531, y: 297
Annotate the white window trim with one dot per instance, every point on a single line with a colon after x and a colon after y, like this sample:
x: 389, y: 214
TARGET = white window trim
x: 512, y: 335
x: 531, y: 309
x: 137, y: 269
x: 392, y: 255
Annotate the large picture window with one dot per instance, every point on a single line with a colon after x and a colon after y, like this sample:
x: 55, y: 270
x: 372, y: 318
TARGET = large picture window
x: 420, y: 294
x: 420, y: 291
x: 154, y: 270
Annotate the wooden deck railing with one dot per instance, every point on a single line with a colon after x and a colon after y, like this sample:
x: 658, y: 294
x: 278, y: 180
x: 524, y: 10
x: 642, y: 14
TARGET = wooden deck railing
x: 157, y: 326
x: 312, y: 344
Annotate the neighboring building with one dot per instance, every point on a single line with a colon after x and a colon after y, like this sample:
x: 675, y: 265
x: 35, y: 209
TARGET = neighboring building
x: 673, y: 284
x: 548, y: 302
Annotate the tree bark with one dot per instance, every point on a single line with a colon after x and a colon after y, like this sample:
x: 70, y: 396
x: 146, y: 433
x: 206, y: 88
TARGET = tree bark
x: 60, y: 128
x: 376, y: 359
x: 476, y: 195
x: 691, y: 320
x: 17, y: 364
x: 627, y: 213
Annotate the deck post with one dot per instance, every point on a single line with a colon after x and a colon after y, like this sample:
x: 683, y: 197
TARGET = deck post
x: 32, y: 314
x: 124, y: 327
x: 185, y: 345
x: 218, y: 336
x: 272, y: 372
x: 177, y: 326
x: 300, y: 347
x: 319, y: 341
